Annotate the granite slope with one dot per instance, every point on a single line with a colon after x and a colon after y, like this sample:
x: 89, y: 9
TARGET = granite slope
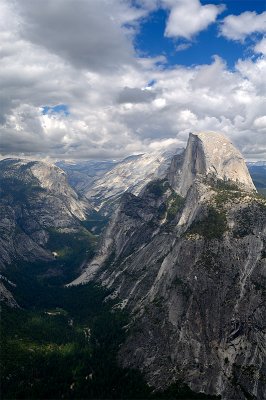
x: 35, y: 198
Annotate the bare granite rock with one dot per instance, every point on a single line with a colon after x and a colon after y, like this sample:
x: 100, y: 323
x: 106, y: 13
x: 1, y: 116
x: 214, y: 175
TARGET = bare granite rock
x: 35, y: 197
x: 129, y: 175
x: 210, y: 155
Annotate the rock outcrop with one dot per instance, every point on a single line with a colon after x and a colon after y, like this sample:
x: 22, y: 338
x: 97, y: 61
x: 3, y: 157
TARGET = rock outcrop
x: 187, y: 258
x: 210, y: 156
x: 7, y: 297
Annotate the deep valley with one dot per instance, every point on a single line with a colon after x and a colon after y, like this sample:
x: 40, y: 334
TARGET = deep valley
x: 151, y: 289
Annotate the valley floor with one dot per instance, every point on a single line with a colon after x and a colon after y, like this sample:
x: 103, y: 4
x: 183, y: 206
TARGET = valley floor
x: 62, y: 343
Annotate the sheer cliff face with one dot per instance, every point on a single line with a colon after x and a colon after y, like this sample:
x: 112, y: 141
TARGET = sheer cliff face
x: 210, y: 155
x: 191, y: 269
x: 35, y: 197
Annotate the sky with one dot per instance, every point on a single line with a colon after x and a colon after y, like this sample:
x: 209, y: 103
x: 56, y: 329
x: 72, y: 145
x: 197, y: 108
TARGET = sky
x: 99, y: 79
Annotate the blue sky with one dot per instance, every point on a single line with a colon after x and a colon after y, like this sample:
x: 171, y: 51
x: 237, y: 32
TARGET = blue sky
x: 203, y: 46
x: 109, y: 78
x: 56, y: 109
x: 200, y: 50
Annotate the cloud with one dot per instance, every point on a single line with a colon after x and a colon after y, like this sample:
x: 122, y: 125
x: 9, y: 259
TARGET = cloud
x: 187, y: 18
x: 182, y: 46
x: 260, y: 123
x: 88, y: 34
x: 238, y: 27
x: 135, y: 95
x: 109, y: 115
x: 261, y: 47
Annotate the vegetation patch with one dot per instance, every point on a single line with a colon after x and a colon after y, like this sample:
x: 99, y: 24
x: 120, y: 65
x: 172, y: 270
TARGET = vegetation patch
x: 19, y: 190
x: 95, y: 222
x: 225, y: 185
x: 244, y: 224
x: 209, y: 260
x: 71, y: 249
x: 158, y: 301
x: 226, y: 191
x: 177, y: 281
x: 261, y: 201
x: 224, y: 196
x: 53, y: 356
x: 213, y: 226
x: 157, y: 187
x: 175, y: 203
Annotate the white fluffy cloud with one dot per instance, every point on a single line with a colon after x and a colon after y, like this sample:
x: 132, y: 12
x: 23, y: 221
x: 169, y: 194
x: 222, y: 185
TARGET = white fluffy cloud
x: 187, y: 18
x: 238, y: 27
x: 261, y: 46
x: 113, y: 110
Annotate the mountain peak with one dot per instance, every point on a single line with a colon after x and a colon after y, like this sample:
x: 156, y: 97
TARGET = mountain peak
x: 211, y: 155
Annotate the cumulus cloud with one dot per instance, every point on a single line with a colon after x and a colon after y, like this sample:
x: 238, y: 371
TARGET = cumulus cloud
x: 112, y: 111
x: 135, y: 95
x: 238, y: 27
x: 261, y: 46
x: 182, y: 46
x: 86, y: 33
x: 187, y: 18
x: 260, y: 123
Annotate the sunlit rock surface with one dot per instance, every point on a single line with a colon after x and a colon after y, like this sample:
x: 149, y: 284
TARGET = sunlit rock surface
x: 129, y: 175
x: 211, y: 155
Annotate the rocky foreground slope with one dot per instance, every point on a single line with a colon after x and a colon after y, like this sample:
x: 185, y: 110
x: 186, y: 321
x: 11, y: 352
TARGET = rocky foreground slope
x: 187, y: 258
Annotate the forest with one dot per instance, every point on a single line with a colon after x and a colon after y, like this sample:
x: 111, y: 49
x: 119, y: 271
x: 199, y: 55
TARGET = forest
x: 63, y: 342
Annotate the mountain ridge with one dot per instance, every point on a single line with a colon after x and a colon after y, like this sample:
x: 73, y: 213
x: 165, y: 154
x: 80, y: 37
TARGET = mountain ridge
x: 35, y: 198
x: 190, y: 270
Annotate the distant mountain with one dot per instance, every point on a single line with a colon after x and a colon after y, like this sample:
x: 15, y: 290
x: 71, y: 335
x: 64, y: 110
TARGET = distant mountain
x: 129, y: 175
x: 258, y: 173
x: 104, y: 182
x: 186, y: 257
x: 256, y: 163
x: 81, y: 174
